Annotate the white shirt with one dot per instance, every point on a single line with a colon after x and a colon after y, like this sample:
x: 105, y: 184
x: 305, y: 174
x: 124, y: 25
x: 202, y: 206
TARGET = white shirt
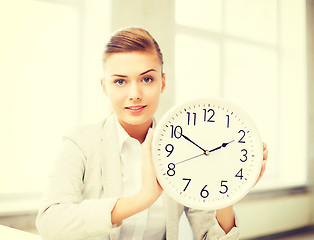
x: 150, y: 223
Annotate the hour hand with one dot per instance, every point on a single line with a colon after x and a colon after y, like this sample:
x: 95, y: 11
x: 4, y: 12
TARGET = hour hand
x: 222, y: 145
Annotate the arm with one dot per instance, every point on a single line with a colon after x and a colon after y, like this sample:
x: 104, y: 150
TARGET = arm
x: 65, y: 213
x: 205, y: 225
x: 225, y: 216
x: 222, y: 225
x: 150, y: 190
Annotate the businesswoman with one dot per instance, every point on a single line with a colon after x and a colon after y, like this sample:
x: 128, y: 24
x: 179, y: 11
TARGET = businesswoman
x: 104, y: 184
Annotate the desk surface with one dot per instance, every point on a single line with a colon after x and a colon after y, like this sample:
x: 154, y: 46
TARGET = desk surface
x: 15, y: 234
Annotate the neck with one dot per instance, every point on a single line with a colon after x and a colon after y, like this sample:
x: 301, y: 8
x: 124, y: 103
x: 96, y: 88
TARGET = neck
x: 137, y: 131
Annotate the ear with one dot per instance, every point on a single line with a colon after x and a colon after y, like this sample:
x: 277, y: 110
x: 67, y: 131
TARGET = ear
x: 163, y: 82
x: 103, y: 85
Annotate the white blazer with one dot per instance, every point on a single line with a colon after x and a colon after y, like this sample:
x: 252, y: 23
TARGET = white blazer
x: 85, y: 185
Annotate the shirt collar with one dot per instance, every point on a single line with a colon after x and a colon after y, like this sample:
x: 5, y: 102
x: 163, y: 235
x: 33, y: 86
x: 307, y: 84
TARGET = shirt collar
x: 123, y: 136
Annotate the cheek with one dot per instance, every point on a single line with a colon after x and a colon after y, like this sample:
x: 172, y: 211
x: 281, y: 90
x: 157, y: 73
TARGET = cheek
x: 114, y: 97
x: 156, y: 90
x: 154, y: 95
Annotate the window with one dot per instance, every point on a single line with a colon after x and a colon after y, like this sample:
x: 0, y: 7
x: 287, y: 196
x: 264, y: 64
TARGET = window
x: 253, y: 54
x: 50, y: 70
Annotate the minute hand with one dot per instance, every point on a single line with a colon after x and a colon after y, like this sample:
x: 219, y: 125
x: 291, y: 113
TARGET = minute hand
x: 222, y: 145
x: 185, y: 137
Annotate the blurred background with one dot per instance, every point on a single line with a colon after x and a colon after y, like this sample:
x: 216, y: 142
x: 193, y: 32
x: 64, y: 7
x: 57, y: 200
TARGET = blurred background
x: 257, y: 53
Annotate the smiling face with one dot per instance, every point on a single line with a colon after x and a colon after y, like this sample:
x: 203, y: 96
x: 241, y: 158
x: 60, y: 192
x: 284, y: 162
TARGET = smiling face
x: 133, y: 83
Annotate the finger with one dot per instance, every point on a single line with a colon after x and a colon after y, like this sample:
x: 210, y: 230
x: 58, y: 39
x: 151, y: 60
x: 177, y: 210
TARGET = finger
x: 264, y: 146
x: 261, y: 172
x: 263, y: 168
x: 159, y: 184
x: 146, y: 146
x: 265, y: 154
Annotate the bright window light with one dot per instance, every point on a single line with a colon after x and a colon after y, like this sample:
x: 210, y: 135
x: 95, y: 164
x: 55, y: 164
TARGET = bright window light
x: 253, y: 55
x: 50, y: 82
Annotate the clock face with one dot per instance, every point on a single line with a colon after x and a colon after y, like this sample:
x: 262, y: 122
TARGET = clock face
x: 207, y: 153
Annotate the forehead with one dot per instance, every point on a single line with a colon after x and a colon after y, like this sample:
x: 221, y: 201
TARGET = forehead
x: 131, y: 63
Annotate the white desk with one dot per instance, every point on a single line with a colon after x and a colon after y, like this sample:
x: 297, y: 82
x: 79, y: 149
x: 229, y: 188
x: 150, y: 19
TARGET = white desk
x: 8, y: 233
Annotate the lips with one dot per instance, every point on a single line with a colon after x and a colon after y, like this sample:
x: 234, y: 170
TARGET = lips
x: 136, y: 109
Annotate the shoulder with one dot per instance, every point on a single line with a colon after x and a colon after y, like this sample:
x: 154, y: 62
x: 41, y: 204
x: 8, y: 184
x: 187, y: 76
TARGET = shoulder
x: 88, y: 131
x: 89, y: 135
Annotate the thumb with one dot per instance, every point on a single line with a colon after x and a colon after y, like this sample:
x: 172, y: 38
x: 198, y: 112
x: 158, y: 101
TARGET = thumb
x: 146, y: 146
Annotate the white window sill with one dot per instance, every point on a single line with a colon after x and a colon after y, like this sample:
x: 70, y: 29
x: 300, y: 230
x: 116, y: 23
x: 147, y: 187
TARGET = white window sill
x: 21, y: 205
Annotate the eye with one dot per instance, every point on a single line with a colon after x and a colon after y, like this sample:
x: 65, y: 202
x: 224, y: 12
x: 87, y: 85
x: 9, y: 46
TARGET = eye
x: 147, y: 79
x: 119, y: 82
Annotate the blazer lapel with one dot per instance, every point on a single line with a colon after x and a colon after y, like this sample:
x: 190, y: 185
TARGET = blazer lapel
x: 110, y: 160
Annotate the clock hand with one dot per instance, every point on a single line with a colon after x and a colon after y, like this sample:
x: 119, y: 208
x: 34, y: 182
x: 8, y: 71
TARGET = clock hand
x: 222, y: 145
x: 185, y: 137
x: 189, y: 158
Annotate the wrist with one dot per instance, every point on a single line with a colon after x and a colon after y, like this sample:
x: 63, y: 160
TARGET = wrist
x: 147, y: 197
x: 126, y: 207
x: 226, y: 218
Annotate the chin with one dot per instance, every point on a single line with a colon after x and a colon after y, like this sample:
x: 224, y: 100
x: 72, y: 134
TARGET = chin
x: 137, y: 120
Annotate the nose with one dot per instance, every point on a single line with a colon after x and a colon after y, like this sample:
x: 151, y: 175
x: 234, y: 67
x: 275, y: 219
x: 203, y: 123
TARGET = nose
x: 135, y: 92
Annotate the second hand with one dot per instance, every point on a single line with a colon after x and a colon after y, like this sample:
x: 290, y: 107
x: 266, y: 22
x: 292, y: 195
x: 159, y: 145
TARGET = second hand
x: 190, y: 158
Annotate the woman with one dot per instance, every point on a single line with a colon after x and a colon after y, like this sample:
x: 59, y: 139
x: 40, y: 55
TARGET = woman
x: 104, y: 185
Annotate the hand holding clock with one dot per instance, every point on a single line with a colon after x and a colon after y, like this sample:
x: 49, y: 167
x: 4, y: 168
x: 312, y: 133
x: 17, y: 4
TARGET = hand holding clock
x: 265, y: 156
x: 196, y: 185
x: 225, y: 216
x: 151, y: 188
x: 149, y: 192
x: 213, y: 185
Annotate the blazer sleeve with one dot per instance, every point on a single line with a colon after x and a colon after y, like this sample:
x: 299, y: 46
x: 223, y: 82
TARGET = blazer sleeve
x: 64, y: 213
x: 206, y: 227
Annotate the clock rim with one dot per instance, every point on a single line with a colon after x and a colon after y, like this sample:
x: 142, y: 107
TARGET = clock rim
x: 158, y: 129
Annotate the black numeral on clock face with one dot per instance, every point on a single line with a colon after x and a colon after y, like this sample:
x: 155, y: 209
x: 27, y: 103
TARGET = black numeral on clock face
x: 242, y: 132
x: 186, y: 186
x: 224, y: 187
x: 239, y: 174
x: 204, y: 193
x: 228, y: 119
x: 176, y: 131
x: 244, y: 152
x: 171, y: 172
x: 169, y: 148
x: 191, y: 118
x: 208, y: 115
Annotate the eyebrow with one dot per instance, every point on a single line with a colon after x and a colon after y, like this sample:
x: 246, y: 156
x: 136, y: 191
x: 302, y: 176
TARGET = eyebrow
x: 148, y: 71
x: 123, y: 76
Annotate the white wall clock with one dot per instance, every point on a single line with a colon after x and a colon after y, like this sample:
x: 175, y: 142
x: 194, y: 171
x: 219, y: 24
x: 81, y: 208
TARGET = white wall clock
x: 207, y: 153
